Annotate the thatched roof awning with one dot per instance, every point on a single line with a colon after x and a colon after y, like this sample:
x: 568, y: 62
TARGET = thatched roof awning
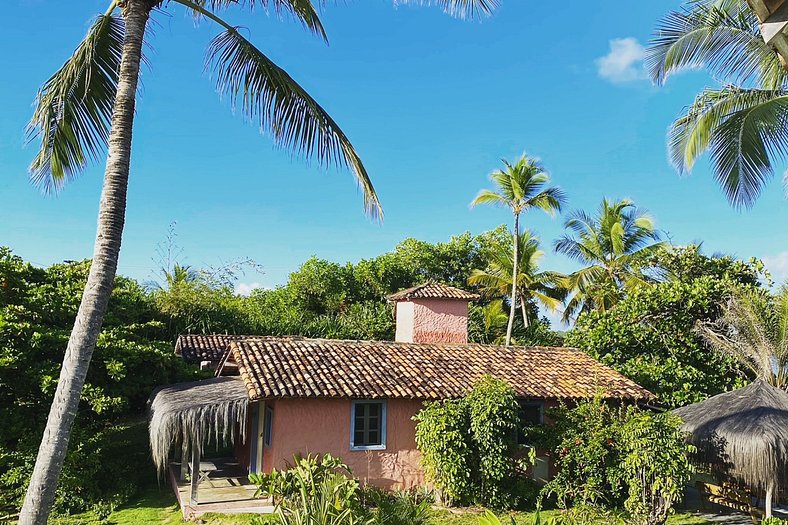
x: 193, y: 413
x: 742, y: 434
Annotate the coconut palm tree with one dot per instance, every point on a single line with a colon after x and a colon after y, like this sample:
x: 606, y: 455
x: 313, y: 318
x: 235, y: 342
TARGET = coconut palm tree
x: 742, y: 123
x: 611, y: 245
x: 495, y: 281
x: 88, y: 105
x: 753, y: 329
x: 520, y: 187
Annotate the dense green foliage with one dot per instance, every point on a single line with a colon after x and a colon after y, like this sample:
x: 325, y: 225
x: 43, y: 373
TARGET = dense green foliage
x: 468, y: 447
x: 340, y: 301
x: 608, y: 456
x: 37, y: 308
x: 134, y: 352
x: 650, y: 335
x: 655, y: 464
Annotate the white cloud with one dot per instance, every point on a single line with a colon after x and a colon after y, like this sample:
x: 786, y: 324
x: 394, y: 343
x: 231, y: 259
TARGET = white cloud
x: 777, y: 266
x: 624, y: 61
x: 246, y: 288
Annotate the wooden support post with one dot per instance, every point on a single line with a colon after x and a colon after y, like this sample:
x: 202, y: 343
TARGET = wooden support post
x: 769, y: 498
x: 195, y: 468
x: 184, y: 461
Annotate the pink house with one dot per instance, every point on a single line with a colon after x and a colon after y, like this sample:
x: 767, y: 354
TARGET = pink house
x: 356, y: 399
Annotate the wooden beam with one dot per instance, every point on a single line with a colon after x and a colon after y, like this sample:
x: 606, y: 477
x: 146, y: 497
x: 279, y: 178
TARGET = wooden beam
x: 193, y: 500
x: 762, y: 11
x: 774, y: 26
x: 184, y: 461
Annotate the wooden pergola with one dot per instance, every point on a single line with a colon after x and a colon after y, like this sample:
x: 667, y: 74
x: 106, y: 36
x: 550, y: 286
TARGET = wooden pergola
x: 186, y: 416
x: 773, y: 18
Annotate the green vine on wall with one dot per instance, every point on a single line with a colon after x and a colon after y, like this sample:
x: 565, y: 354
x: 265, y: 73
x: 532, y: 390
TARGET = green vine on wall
x: 468, y: 446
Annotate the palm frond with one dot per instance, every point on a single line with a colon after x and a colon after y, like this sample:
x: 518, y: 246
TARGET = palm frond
x: 551, y: 200
x: 459, y: 8
x: 303, y: 10
x: 74, y: 107
x: 690, y: 135
x: 723, y: 37
x: 489, y: 197
x: 744, y: 145
x: 748, y: 331
x: 268, y: 95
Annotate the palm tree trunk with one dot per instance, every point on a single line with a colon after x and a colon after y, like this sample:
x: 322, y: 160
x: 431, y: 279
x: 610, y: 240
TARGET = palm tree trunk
x: 513, y: 307
x: 524, y: 311
x: 54, y: 443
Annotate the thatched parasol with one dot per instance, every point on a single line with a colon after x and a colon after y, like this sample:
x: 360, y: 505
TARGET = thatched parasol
x: 193, y: 413
x: 743, y: 435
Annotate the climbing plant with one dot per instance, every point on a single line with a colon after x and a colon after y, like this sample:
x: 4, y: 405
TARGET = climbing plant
x: 468, y: 447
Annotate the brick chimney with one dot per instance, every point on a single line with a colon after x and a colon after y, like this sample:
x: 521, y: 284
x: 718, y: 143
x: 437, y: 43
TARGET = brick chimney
x: 432, y: 313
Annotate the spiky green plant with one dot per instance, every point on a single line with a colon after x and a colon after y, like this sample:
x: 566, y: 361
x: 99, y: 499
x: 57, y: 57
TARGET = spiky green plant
x: 742, y: 123
x: 87, y: 108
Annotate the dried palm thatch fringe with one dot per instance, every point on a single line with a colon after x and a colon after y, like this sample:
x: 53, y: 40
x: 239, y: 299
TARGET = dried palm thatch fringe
x: 193, y: 414
x: 742, y: 435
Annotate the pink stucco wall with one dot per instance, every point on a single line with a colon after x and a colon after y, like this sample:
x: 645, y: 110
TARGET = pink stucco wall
x: 440, y: 321
x: 320, y: 426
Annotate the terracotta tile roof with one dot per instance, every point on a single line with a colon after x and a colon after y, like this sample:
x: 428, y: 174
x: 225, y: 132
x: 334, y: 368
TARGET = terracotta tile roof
x: 273, y: 367
x: 432, y: 290
x: 195, y: 348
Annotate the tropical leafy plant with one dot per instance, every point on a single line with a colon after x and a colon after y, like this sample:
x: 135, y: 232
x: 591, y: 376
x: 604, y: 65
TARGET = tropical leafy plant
x: 753, y: 330
x: 544, y: 287
x: 740, y: 123
x: 520, y: 187
x: 612, y: 245
x: 313, y: 490
x: 491, y: 519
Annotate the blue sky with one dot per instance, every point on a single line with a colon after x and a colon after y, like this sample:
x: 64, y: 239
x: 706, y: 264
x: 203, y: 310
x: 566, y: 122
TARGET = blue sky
x: 431, y: 103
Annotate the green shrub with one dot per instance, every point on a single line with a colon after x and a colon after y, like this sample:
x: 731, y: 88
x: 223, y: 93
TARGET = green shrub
x: 774, y: 521
x: 468, y: 446
x: 493, y: 410
x: 448, y: 459
x: 655, y: 464
x: 610, y: 456
x: 584, y: 443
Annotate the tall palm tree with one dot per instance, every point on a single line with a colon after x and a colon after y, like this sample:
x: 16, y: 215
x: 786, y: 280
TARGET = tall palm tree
x: 520, y: 187
x: 753, y: 329
x: 532, y: 284
x: 610, y: 245
x: 88, y: 105
x: 743, y: 122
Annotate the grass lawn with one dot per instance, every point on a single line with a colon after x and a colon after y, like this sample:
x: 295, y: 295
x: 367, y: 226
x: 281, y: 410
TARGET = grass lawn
x: 159, y: 506
x: 444, y: 517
